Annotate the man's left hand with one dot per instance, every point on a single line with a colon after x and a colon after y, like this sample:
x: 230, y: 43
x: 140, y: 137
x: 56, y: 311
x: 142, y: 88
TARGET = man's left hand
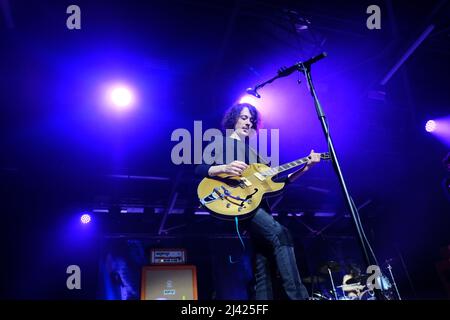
x: 313, y: 159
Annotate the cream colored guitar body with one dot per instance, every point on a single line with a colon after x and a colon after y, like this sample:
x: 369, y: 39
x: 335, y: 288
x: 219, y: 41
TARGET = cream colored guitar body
x: 239, y: 195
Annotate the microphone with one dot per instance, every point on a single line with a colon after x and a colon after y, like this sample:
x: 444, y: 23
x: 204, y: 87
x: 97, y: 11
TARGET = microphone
x: 315, y: 59
x: 284, y: 72
x: 253, y: 92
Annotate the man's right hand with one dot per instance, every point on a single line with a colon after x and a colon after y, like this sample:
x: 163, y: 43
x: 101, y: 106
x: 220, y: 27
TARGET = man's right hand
x: 234, y: 168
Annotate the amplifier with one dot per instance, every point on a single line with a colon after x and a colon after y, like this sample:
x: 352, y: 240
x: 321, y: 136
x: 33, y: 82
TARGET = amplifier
x: 169, y: 283
x: 168, y: 256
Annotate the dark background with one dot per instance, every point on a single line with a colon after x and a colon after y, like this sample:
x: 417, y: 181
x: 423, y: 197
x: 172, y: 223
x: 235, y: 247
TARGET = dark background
x: 190, y: 60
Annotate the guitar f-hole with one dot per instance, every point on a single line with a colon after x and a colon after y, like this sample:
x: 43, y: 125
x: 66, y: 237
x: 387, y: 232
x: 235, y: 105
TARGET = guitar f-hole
x: 248, y: 197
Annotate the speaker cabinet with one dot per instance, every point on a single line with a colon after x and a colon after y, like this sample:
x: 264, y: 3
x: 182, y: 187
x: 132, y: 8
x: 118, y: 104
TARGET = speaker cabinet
x: 169, y: 283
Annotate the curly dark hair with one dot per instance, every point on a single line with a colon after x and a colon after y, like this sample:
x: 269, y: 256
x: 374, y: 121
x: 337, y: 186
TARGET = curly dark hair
x: 232, y: 114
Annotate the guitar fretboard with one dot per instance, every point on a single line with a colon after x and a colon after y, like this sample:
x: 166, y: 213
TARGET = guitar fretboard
x: 289, y: 165
x: 284, y: 167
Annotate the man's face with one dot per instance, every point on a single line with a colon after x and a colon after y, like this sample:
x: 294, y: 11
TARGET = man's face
x: 244, y: 123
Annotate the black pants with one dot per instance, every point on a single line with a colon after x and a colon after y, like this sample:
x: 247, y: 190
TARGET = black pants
x: 272, y: 240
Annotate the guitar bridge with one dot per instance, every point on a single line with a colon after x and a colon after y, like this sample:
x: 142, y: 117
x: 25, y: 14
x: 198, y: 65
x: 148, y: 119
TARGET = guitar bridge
x: 243, y: 201
x: 213, y: 196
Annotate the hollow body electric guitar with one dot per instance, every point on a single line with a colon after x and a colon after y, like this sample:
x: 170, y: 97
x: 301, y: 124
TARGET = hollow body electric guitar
x: 231, y: 196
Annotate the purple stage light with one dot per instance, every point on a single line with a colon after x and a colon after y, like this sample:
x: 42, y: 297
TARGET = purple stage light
x: 85, y: 218
x: 250, y: 100
x: 439, y: 128
x: 430, y: 126
x: 121, y: 97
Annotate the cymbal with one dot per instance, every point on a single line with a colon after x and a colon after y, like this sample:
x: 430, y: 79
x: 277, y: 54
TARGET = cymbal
x: 313, y: 279
x: 332, y: 265
x: 352, y: 285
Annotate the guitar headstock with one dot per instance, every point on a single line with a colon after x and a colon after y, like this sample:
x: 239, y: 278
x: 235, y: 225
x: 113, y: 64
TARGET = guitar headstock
x: 325, y: 156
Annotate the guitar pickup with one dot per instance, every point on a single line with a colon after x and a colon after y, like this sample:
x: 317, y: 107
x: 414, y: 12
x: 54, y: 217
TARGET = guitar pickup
x: 259, y: 176
x: 246, y: 182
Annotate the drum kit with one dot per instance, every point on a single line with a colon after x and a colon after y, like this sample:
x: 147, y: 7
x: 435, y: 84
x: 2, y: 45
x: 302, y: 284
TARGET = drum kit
x: 355, y: 287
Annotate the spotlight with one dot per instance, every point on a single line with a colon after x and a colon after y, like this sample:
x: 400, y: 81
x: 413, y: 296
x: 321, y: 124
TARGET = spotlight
x: 430, y: 126
x: 121, y: 97
x: 249, y: 99
x: 85, y: 218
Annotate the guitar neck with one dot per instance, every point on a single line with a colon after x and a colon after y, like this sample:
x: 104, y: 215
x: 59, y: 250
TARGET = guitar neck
x: 288, y: 166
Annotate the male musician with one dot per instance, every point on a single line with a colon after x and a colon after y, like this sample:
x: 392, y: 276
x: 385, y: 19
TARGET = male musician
x: 351, y: 282
x: 271, y: 240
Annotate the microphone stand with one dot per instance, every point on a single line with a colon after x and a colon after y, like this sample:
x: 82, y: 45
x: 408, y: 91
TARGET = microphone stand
x: 393, y: 280
x: 332, y: 284
x: 305, y: 68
